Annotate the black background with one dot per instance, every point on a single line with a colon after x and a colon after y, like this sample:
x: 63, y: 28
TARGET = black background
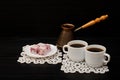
x: 43, y: 18
x: 25, y: 22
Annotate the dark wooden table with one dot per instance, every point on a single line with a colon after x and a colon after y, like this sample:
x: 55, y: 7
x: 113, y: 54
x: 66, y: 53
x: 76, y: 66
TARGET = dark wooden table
x: 10, y: 48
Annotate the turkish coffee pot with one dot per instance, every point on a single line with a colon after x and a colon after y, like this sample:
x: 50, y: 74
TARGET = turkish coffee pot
x: 67, y: 35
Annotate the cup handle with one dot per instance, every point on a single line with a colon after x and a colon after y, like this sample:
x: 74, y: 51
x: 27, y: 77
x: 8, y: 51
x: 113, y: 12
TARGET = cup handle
x: 65, y: 46
x: 108, y: 58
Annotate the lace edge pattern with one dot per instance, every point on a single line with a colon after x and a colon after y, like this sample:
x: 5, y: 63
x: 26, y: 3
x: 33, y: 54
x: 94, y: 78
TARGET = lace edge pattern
x: 54, y: 59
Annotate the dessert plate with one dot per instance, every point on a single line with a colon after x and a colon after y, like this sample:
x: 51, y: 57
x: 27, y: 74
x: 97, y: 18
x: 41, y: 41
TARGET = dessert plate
x: 26, y: 50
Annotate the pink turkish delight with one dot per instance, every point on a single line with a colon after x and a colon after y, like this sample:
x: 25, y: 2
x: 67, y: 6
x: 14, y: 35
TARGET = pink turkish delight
x: 40, y: 48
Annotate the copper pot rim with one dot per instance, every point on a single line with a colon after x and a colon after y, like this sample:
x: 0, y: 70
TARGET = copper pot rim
x: 67, y: 26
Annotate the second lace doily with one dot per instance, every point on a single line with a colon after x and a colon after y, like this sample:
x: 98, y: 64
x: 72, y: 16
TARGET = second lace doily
x: 69, y: 66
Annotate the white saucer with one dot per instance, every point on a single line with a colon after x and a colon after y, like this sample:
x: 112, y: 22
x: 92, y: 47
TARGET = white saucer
x: 53, y: 51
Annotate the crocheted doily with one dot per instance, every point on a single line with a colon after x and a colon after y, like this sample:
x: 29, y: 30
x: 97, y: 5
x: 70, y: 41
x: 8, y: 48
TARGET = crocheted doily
x: 69, y: 66
x: 54, y: 59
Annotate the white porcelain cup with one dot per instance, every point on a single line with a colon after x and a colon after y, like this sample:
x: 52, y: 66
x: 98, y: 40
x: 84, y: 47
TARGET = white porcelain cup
x: 74, y: 51
x: 96, y: 56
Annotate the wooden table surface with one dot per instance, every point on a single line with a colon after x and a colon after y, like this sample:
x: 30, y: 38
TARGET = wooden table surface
x: 10, y: 48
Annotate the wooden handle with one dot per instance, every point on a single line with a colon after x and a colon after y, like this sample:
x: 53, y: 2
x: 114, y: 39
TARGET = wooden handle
x: 92, y: 22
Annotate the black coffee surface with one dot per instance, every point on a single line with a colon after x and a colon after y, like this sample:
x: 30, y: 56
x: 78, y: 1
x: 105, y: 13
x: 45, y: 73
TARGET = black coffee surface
x: 77, y: 45
x: 95, y: 49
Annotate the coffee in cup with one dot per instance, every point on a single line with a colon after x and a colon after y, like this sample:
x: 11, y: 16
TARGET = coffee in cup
x: 94, y: 49
x: 77, y: 45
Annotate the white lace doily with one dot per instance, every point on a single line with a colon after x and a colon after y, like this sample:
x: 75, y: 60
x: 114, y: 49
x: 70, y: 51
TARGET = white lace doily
x: 69, y: 66
x: 54, y: 59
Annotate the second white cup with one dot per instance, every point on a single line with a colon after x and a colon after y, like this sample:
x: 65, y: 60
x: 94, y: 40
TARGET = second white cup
x: 95, y: 55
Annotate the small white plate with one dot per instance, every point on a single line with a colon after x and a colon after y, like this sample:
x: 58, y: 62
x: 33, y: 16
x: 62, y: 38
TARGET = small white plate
x: 27, y: 51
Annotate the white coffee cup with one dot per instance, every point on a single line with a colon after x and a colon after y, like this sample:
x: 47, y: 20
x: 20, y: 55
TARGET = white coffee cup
x: 95, y: 55
x: 76, y: 50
